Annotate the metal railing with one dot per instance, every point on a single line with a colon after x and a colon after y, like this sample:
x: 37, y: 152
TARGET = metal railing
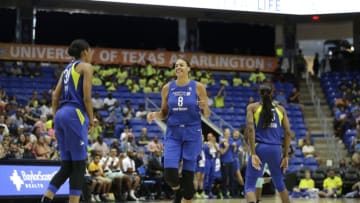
x: 330, y: 141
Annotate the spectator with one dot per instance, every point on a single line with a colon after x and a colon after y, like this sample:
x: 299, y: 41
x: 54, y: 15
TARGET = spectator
x: 37, y: 70
x: 294, y: 97
x: 134, y: 87
x: 308, y: 150
x: 306, y: 185
x: 223, y: 81
x: 300, y: 64
x: 128, y: 111
x: 332, y: 185
x: 34, y: 100
x: 109, y: 101
x: 127, y: 131
x: 41, y: 123
x: 257, y: 76
x: 111, y: 167
x: 316, y: 65
x: 281, y: 98
x: 355, y: 193
x: 27, y: 71
x: 142, y: 81
x: 144, y: 138
x: 28, y: 146
x: 219, y: 99
x: 128, y: 167
x: 96, y: 81
x: 29, y: 118
x: 46, y: 108
x: 237, y: 81
x: 121, y: 76
x: 203, y: 79
x: 355, y: 143
x: 97, y: 130
x: 16, y: 70
x: 129, y: 144
x: 3, y: 99
x: 141, y: 112
x: 14, y: 152
x: 210, y: 99
x: 155, y: 171
x: 155, y: 145
x: 139, y: 158
x: 343, y: 167
x: 149, y: 70
x: 246, y: 83
x: 3, y: 124
x: 41, y: 149
x: 96, y: 171
x: 2, y: 132
x: 16, y: 119
x: 97, y: 102
x: 101, y: 146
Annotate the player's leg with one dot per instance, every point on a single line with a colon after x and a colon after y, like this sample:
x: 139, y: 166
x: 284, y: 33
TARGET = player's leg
x: 172, y: 153
x: 76, y: 132
x: 191, y: 150
x: 252, y: 175
x: 272, y: 156
x: 65, y: 168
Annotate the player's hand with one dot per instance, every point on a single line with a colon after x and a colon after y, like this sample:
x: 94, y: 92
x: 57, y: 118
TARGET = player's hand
x: 256, y: 162
x: 150, y: 117
x: 201, y: 104
x: 285, y: 162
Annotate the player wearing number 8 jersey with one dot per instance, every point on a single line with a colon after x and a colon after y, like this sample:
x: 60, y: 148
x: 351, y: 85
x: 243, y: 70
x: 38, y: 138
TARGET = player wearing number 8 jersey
x: 265, y: 142
x: 182, y: 101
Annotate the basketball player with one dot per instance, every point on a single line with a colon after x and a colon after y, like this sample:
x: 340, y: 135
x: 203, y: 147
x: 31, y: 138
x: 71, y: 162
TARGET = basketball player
x: 266, y: 123
x: 182, y: 101
x: 72, y: 107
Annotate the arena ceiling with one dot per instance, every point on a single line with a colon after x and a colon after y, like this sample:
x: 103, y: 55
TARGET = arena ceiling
x: 86, y: 6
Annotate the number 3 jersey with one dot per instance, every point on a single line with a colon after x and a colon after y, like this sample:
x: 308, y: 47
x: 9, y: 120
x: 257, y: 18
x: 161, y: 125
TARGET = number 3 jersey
x: 274, y: 133
x: 72, y: 86
x: 183, y: 105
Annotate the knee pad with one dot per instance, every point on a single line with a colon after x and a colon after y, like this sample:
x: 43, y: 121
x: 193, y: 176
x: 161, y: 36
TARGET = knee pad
x: 171, y: 176
x: 278, y: 183
x: 77, y: 175
x: 61, y: 176
x: 188, y: 184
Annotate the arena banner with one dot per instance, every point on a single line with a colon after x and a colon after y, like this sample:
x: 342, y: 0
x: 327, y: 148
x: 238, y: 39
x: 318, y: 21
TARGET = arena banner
x: 49, y: 53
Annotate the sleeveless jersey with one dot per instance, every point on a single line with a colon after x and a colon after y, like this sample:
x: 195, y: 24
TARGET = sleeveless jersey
x: 72, y: 87
x: 182, y: 105
x: 274, y: 133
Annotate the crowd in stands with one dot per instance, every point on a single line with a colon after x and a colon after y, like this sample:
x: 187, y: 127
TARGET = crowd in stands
x: 122, y: 161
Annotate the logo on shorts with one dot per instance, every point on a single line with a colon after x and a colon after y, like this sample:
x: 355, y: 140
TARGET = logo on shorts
x: 82, y: 143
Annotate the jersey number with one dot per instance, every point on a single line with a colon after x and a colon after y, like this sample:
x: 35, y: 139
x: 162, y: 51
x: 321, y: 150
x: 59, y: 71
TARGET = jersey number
x: 180, y: 101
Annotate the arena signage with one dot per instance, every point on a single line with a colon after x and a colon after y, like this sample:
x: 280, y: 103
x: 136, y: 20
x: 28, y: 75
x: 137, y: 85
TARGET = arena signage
x: 20, y: 180
x: 28, y: 52
x: 296, y: 7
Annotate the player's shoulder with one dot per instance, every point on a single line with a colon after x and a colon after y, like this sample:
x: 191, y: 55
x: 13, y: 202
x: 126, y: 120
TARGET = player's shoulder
x: 253, y: 105
x: 281, y: 108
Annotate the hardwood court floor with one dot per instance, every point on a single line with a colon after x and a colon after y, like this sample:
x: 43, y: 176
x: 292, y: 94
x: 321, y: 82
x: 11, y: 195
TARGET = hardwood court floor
x: 274, y: 199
